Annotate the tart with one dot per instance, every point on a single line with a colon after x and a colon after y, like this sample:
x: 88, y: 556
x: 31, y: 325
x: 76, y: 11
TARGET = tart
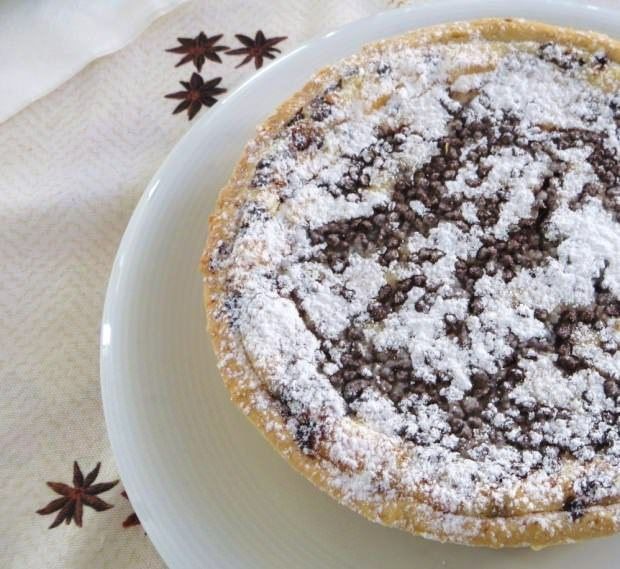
x: 412, y: 283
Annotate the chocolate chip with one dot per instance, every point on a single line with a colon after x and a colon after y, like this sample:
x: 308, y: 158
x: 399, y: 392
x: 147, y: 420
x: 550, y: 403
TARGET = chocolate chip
x: 563, y: 331
x: 486, y: 253
x: 307, y: 434
x: 475, y: 422
x: 541, y: 314
x: 333, y: 240
x: 465, y: 432
x: 456, y: 411
x: 612, y: 389
x: 476, y: 307
x: 399, y: 297
x: 398, y: 392
x: 474, y: 272
x: 569, y: 315
x: 418, y: 280
x: 506, y: 139
x: 384, y: 68
x: 354, y: 389
x: 514, y: 375
x: 349, y: 375
x: 470, y: 405
x: 613, y: 309
x: 402, y: 376
x: 391, y: 255
x: 422, y: 305
x: 348, y: 361
x: 381, y: 356
x: 337, y: 380
x: 456, y: 424
x: 570, y: 364
x: 385, y: 292
x: 537, y: 344
x: 575, y: 507
x: 302, y: 137
x: 426, y: 254
x: 481, y: 383
x: 377, y: 311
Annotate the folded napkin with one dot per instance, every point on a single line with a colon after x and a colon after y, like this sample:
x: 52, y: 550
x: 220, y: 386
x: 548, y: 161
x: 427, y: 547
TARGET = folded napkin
x: 43, y: 43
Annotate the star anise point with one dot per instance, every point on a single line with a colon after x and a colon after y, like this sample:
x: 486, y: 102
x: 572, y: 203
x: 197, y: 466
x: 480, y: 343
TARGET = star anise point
x: 257, y: 48
x: 132, y: 519
x: 197, y: 94
x: 199, y: 49
x: 71, y: 505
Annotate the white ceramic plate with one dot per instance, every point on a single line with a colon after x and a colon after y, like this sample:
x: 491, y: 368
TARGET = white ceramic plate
x: 208, y: 489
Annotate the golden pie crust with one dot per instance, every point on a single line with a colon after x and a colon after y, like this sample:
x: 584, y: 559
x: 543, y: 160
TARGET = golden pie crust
x: 505, y: 523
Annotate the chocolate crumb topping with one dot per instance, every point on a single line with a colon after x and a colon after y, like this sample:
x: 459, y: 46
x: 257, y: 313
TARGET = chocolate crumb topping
x: 528, y: 244
x: 436, y: 259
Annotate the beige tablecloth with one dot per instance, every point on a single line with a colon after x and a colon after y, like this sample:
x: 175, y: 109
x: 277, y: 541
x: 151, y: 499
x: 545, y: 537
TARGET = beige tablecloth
x: 72, y: 166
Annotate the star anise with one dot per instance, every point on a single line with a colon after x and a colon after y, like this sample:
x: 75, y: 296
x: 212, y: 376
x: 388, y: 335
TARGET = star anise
x: 198, y: 49
x: 132, y: 519
x: 256, y: 48
x: 83, y: 493
x: 197, y: 93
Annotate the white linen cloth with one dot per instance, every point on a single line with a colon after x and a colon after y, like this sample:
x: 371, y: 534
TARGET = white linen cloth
x: 72, y: 167
x: 43, y: 43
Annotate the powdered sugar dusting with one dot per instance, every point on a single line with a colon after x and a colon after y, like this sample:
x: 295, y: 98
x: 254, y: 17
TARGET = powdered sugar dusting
x: 426, y: 277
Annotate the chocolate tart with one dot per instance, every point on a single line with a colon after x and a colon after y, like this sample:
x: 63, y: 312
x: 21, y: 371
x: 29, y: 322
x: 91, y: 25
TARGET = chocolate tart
x: 412, y: 283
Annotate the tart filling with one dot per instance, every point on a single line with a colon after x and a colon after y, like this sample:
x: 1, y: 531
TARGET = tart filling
x: 422, y: 276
